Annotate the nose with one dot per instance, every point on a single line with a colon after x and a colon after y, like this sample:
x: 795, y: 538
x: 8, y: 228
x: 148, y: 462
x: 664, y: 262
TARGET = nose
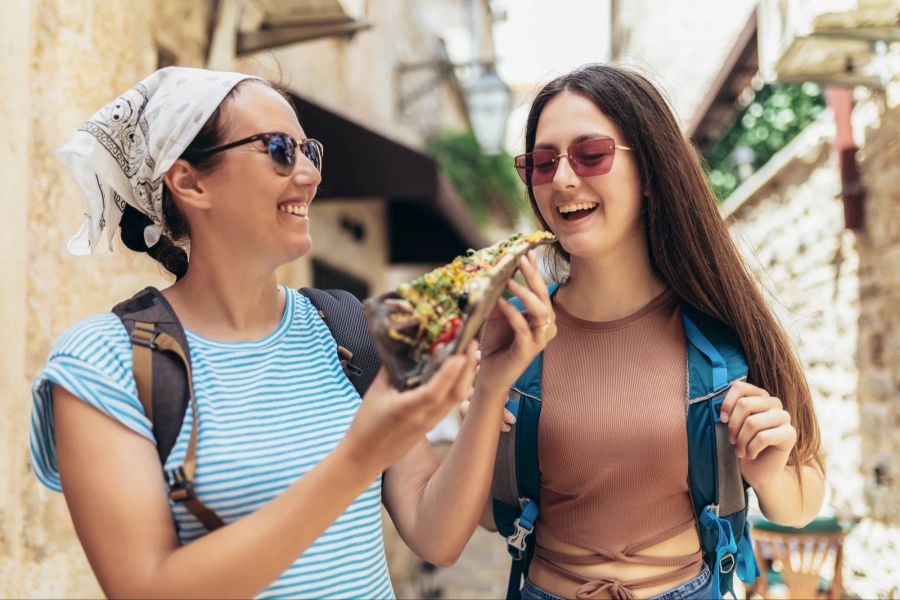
x: 305, y: 172
x: 564, y: 177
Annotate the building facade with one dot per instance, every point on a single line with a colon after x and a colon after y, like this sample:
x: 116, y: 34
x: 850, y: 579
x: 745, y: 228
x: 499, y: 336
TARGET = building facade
x: 832, y: 284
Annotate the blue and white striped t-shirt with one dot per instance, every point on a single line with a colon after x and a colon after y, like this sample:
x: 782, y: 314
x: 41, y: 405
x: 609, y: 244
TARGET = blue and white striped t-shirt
x: 269, y: 411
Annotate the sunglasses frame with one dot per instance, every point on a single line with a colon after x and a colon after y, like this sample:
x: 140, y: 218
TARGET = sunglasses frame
x: 266, y: 138
x: 567, y: 154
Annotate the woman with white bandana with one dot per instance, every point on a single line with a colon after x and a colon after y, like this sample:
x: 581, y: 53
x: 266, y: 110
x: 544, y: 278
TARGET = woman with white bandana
x: 287, y: 454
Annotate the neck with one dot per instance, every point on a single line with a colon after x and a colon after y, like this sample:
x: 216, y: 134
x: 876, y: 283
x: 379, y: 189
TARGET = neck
x: 227, y: 301
x: 610, y: 287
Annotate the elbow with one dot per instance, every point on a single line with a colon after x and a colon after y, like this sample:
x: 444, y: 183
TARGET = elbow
x: 797, y: 521
x: 442, y: 557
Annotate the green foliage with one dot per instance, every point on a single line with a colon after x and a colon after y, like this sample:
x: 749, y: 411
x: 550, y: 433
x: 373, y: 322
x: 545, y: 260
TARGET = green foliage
x: 765, y: 126
x: 488, y: 184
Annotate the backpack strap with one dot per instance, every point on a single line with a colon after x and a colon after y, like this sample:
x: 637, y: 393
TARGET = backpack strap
x: 343, y: 314
x: 162, y: 373
x: 517, y: 477
x: 718, y: 491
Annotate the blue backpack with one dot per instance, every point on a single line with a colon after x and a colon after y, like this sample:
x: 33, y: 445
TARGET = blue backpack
x: 718, y: 492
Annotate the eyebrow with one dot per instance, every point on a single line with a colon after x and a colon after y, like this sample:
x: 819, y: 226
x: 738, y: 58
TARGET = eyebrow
x: 581, y: 138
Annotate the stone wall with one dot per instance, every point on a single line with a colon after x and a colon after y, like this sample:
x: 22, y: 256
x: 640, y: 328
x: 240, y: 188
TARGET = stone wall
x: 836, y: 291
x: 62, y: 60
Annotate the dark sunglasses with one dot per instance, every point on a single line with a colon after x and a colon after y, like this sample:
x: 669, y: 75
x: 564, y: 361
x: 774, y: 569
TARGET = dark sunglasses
x: 588, y: 159
x: 281, y: 147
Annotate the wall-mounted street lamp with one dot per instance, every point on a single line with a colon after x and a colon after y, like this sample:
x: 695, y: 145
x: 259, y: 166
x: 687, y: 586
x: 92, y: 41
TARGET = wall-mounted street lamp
x: 488, y: 99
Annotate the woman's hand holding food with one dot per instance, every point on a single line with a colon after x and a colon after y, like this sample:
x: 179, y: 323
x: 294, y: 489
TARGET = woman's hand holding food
x: 390, y: 422
x: 512, y: 338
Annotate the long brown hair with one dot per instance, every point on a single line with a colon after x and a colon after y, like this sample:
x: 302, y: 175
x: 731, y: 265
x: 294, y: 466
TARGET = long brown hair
x: 690, y: 247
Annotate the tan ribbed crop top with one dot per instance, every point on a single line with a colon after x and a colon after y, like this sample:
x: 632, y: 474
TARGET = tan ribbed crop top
x: 612, y: 442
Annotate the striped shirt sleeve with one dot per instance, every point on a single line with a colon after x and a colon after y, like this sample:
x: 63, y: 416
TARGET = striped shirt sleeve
x: 92, y: 360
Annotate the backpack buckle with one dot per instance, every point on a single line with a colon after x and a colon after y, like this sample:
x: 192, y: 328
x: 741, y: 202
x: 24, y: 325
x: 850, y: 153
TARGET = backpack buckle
x: 727, y: 563
x: 144, y: 337
x: 516, y: 542
x: 180, y: 487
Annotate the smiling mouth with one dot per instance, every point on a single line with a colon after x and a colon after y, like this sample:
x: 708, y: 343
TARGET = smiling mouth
x: 573, y: 212
x: 298, y: 210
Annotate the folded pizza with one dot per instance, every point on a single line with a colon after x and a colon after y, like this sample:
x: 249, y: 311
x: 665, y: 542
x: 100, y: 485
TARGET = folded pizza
x: 423, y: 322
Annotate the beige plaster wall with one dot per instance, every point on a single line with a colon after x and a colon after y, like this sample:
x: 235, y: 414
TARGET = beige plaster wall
x: 15, y: 79
x: 367, y: 258
x: 357, y: 77
x: 61, y: 61
x: 681, y: 50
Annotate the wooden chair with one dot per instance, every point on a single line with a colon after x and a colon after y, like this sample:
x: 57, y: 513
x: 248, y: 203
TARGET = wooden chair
x: 802, y: 556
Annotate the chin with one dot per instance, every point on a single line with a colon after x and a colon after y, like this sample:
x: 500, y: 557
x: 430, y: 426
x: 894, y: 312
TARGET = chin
x: 583, y: 246
x: 296, y: 250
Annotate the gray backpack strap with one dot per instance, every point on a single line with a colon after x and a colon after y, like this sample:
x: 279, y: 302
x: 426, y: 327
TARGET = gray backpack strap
x: 343, y: 314
x: 162, y: 373
x: 166, y: 394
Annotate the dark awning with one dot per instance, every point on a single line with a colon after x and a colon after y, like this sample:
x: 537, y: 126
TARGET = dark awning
x: 361, y: 163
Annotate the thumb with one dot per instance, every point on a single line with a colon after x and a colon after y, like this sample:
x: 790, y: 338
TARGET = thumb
x: 463, y: 408
x: 380, y: 385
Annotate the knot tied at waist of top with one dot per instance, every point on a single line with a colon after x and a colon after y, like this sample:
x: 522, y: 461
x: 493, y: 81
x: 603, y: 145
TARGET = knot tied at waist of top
x: 599, y: 587
x: 685, y: 566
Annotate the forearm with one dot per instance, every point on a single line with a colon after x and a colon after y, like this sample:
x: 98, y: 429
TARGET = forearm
x: 487, y: 514
x: 243, y: 558
x: 787, y: 501
x: 453, y: 499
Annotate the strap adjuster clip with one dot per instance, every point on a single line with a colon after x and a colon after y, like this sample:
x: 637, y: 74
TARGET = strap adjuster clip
x: 139, y: 336
x: 516, y: 541
x: 180, y: 487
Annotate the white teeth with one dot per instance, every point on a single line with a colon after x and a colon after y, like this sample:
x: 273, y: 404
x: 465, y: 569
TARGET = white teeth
x: 576, y: 207
x: 294, y: 209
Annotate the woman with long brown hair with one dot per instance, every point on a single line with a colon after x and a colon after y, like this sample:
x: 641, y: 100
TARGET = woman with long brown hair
x: 641, y: 241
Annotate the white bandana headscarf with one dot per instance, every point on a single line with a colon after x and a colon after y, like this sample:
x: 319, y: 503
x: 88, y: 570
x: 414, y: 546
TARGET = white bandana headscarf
x: 119, y: 156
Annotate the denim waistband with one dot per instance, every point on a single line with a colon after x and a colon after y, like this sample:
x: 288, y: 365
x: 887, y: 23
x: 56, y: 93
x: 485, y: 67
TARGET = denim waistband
x: 696, y: 588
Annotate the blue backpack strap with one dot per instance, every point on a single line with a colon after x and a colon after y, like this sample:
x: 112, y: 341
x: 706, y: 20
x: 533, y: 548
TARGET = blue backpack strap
x: 715, y: 361
x: 516, y: 484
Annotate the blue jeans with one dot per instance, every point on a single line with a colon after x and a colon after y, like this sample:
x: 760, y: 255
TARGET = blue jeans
x: 698, y: 588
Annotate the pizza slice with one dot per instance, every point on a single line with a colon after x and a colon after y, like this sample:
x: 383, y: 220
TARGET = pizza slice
x: 423, y: 322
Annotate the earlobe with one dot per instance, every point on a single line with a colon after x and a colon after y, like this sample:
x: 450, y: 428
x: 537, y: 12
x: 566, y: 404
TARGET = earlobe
x: 183, y: 181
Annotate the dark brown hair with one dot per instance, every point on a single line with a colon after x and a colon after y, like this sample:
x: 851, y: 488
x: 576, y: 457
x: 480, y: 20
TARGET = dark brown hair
x: 689, y: 245
x: 170, y: 250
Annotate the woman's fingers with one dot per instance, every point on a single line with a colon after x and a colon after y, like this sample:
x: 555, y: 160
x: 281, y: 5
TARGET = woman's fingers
x: 514, y: 318
x: 784, y: 437
x: 509, y: 420
x: 735, y: 393
x: 746, y: 406
x: 464, y: 408
x: 463, y: 385
x: 756, y: 425
x: 529, y: 269
x: 535, y: 308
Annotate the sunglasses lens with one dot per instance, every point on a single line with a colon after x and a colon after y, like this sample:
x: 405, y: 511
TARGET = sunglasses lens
x: 536, y: 168
x: 590, y: 158
x: 312, y: 150
x: 593, y: 157
x: 281, y: 149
